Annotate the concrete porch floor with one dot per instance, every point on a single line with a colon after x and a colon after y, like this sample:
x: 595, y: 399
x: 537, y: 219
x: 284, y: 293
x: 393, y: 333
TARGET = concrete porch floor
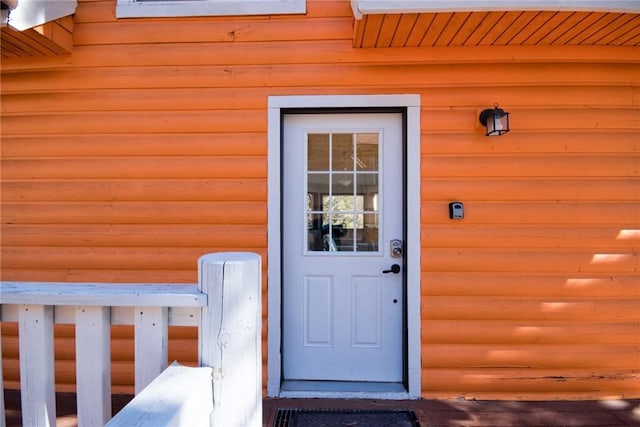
x: 430, y: 413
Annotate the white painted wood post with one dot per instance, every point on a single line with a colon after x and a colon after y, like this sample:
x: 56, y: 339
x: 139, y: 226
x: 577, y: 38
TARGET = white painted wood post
x: 180, y: 396
x: 151, y: 344
x: 2, y: 420
x: 37, y: 371
x: 230, y: 336
x: 93, y: 365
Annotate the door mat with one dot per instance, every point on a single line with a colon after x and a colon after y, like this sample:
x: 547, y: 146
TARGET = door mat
x: 344, y: 417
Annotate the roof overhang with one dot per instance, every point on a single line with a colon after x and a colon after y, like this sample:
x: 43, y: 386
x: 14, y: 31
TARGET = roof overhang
x: 449, y: 23
x: 370, y: 7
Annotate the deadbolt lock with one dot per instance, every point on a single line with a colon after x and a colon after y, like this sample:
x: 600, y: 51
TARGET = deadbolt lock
x: 396, y: 248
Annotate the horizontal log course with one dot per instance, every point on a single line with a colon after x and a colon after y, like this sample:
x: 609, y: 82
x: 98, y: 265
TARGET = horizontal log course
x: 541, y: 384
x: 591, y: 335
x: 177, y: 212
x: 514, y: 284
x: 534, y: 356
x: 623, y: 310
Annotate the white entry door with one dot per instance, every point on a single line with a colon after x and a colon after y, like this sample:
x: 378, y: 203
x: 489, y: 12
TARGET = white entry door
x: 342, y: 228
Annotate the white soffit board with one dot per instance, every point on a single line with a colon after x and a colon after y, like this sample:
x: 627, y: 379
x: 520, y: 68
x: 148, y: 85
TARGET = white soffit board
x: 367, y: 7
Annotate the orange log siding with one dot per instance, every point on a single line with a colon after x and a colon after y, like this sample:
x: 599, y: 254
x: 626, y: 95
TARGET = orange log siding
x: 146, y: 147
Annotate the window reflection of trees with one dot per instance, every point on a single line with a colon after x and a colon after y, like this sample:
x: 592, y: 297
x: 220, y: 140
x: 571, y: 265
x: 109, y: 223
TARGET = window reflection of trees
x: 342, y: 191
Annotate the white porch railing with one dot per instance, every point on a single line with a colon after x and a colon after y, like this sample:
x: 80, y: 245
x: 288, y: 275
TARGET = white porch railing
x: 225, y: 305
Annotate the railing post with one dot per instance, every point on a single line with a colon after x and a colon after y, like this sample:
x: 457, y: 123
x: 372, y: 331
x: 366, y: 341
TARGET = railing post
x: 230, y: 336
x: 2, y: 421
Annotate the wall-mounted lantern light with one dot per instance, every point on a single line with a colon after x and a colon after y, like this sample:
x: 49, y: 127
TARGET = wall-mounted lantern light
x: 496, y: 120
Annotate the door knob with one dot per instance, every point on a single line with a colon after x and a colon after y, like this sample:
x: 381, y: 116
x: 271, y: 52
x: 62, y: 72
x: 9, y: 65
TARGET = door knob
x: 395, y: 269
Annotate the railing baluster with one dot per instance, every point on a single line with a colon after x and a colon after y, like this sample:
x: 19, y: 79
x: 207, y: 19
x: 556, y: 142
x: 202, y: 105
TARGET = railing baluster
x: 37, y: 374
x: 93, y: 365
x: 151, y: 346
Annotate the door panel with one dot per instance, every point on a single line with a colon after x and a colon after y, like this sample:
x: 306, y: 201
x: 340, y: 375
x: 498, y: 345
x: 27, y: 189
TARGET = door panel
x: 365, y: 312
x: 318, y: 322
x: 342, y: 205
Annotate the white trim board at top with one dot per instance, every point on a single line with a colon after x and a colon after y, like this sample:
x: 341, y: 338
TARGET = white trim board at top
x: 412, y: 246
x: 172, y: 8
x: 371, y: 7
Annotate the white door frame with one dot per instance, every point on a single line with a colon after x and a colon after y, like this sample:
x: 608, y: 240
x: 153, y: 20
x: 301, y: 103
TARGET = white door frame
x: 412, y: 245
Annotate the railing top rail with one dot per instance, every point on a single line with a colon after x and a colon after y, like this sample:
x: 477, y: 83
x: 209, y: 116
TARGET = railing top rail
x: 102, y: 294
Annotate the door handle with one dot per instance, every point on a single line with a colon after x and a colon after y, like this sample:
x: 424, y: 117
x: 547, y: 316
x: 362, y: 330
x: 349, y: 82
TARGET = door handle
x: 395, y: 269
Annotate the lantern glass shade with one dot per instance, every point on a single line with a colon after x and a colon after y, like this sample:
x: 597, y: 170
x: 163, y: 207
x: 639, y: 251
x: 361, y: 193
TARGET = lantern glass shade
x: 496, y: 120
